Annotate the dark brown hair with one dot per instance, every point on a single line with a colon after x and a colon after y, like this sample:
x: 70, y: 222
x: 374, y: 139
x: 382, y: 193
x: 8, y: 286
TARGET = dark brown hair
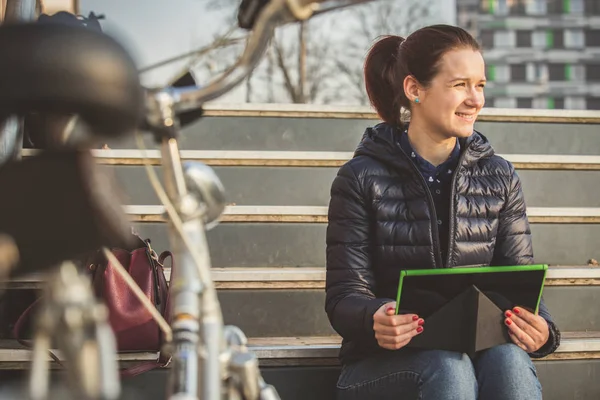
x: 392, y: 58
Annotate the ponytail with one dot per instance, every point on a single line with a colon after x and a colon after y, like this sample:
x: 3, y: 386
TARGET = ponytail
x: 383, y: 84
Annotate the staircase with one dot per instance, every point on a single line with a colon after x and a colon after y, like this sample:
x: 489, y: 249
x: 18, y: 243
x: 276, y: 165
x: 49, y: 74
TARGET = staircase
x: 277, y: 163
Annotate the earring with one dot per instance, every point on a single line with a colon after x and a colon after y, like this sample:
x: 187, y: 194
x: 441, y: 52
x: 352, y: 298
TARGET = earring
x: 416, y: 100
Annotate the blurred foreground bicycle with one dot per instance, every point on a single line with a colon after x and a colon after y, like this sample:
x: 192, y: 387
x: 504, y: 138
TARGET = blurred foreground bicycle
x: 90, y: 77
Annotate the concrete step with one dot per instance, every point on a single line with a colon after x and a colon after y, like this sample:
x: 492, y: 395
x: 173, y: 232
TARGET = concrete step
x: 310, y: 186
x: 302, y: 368
x: 318, y: 214
x: 335, y: 128
x: 275, y: 302
x: 304, y: 351
x: 561, y: 380
x: 282, y: 244
x: 314, y: 277
x: 304, y: 178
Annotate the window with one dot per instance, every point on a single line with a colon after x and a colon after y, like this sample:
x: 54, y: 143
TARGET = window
x: 554, y: 7
x: 575, y: 103
x: 498, y: 7
x: 592, y: 7
x: 524, y: 102
x: 484, y: 7
x: 536, y: 7
x: 518, y: 73
x: 593, y: 103
x: 501, y: 7
x: 524, y: 39
x: 504, y: 38
x: 555, y: 39
x: 592, y: 38
x: 505, y: 102
x: 538, y: 39
x: 574, y: 6
x: 574, y: 39
x: 487, y: 39
x: 540, y: 72
x: 518, y: 7
x: 556, y: 103
x: 592, y: 72
x: 557, y: 72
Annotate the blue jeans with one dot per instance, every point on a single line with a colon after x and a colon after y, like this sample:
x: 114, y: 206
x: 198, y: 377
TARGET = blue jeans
x: 503, y: 372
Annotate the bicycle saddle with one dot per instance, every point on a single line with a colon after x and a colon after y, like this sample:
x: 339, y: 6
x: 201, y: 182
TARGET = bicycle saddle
x: 69, y: 70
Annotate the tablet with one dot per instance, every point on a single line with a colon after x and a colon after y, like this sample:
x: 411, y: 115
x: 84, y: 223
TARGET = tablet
x: 423, y: 291
x: 464, y: 307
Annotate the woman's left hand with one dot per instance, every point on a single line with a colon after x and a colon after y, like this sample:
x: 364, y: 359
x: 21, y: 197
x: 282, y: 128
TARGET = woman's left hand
x: 526, y: 330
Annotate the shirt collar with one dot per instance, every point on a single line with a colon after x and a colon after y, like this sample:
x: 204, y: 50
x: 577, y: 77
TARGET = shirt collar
x: 423, y: 164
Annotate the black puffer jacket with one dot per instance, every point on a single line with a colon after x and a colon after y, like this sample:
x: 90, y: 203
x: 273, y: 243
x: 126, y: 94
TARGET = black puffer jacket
x: 382, y: 220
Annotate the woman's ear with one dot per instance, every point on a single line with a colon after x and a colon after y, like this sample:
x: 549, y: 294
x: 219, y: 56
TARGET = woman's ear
x: 411, y: 89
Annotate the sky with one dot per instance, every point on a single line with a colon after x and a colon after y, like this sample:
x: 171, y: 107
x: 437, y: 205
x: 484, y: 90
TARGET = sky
x: 154, y: 30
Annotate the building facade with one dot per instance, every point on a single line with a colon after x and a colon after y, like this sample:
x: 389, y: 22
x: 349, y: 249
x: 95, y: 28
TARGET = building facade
x: 539, y: 53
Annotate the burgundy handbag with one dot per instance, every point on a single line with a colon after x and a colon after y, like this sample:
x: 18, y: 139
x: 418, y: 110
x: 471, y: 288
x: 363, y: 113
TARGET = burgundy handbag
x: 134, y: 327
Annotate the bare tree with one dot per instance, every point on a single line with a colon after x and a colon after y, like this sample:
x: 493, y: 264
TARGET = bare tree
x: 295, y: 68
x: 316, y: 67
x: 316, y: 61
x: 367, y: 23
x: 299, y: 64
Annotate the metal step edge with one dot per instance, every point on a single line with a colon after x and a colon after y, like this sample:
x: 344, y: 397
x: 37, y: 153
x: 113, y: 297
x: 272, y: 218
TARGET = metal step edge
x: 247, y: 276
x: 366, y: 112
x: 128, y: 157
x: 322, y: 210
x: 291, y: 350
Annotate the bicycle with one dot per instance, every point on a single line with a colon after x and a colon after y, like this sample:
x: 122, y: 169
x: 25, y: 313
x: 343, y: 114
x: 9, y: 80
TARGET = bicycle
x: 209, y: 361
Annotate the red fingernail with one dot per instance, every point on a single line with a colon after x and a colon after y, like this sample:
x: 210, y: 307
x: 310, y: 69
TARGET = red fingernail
x: 508, y: 322
x: 420, y: 329
x: 421, y: 322
x: 415, y: 317
x: 389, y: 309
x: 516, y: 310
x: 508, y: 314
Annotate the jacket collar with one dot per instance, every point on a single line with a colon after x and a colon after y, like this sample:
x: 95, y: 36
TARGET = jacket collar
x: 382, y: 142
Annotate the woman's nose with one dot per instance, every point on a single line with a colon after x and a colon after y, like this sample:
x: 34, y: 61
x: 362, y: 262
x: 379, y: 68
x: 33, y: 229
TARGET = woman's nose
x: 476, y: 98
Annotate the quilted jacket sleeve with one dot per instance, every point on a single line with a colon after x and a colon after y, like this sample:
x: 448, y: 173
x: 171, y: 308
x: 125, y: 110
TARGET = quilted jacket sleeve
x: 514, y: 247
x: 350, y: 300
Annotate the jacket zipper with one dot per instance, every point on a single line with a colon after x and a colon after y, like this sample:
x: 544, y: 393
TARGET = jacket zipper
x: 434, y: 223
x: 452, y: 195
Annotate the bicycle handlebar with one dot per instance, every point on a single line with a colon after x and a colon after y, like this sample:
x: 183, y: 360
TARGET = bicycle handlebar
x: 272, y: 14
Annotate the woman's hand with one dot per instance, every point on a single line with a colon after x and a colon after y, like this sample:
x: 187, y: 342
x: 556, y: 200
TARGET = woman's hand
x: 395, y: 331
x: 527, y: 330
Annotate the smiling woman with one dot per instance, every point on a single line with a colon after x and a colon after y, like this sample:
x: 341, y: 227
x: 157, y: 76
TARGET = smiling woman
x: 426, y: 191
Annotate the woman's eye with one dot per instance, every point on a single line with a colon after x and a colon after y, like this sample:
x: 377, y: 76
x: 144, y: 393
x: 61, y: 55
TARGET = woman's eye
x: 459, y: 84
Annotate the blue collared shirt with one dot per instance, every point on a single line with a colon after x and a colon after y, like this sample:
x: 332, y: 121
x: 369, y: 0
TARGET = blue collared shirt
x: 439, y: 182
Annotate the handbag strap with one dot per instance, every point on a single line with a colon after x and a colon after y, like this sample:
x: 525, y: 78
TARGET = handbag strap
x: 162, y: 361
x: 145, y: 367
x: 18, y: 330
x: 161, y: 259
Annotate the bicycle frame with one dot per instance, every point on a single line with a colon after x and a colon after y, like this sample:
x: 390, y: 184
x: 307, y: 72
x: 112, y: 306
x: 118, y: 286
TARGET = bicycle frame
x: 203, y: 358
x: 195, y: 307
x: 197, y: 323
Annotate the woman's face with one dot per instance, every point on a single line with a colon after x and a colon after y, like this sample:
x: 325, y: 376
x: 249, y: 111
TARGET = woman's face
x: 450, y: 104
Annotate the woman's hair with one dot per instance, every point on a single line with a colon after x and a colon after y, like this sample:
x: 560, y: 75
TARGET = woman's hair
x: 392, y: 58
